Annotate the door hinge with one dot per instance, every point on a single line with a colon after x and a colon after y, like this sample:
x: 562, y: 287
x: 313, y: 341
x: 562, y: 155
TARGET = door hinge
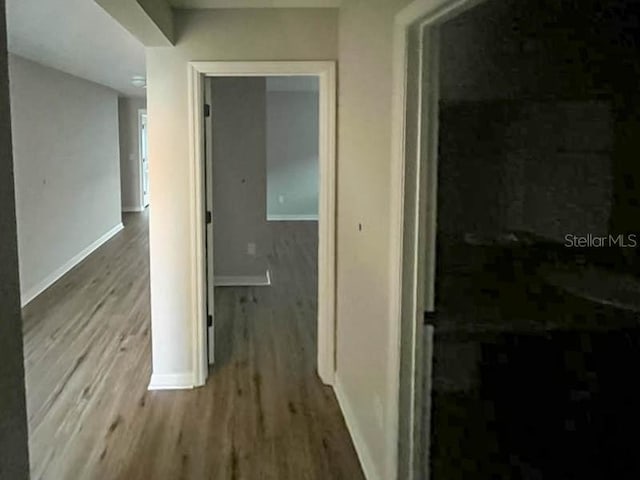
x: 207, y: 217
x: 209, y: 320
x: 207, y: 110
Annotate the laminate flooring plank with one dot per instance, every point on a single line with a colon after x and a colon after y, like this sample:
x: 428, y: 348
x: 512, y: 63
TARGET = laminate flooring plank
x: 263, y: 414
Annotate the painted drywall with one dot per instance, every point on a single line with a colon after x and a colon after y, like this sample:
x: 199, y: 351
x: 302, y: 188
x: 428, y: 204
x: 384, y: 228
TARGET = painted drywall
x: 532, y: 56
x: 364, y: 145
x: 364, y: 149
x: 292, y: 149
x: 67, y: 169
x: 239, y: 177
x: 128, y: 109
x: 76, y: 37
x: 150, y: 21
x: 14, y: 456
x: 265, y: 34
x: 496, y: 176
x: 550, y: 86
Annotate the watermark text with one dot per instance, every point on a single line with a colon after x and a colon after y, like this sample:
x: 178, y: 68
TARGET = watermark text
x: 601, y: 241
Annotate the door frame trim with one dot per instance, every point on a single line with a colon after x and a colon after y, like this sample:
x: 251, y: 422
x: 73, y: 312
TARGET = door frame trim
x: 141, y: 112
x: 412, y: 207
x: 326, y: 73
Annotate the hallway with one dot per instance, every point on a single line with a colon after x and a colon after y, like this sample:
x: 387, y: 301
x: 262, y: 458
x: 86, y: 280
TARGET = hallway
x: 263, y: 414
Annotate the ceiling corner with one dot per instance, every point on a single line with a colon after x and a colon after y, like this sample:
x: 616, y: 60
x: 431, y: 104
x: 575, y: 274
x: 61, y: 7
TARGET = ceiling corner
x: 150, y: 21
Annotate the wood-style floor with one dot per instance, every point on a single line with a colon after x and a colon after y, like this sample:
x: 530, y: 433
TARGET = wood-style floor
x: 263, y: 414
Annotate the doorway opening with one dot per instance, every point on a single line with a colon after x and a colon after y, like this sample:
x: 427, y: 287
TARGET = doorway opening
x: 202, y: 90
x: 519, y: 300
x: 261, y: 187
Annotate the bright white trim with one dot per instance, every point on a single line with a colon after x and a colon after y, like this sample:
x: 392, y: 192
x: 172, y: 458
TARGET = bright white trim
x: 197, y: 207
x: 364, y: 455
x: 209, y: 237
x: 327, y: 221
x: 326, y: 73
x: 32, y: 293
x: 243, y: 281
x: 132, y: 209
x: 263, y: 69
x: 141, y: 112
x: 171, y: 381
x: 292, y: 218
x: 400, y: 38
x: 425, y: 13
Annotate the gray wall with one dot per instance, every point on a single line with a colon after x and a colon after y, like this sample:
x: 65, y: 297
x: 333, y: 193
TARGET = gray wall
x: 526, y: 130
x: 496, y: 175
x: 292, y: 154
x: 67, y: 169
x: 14, y: 458
x: 239, y: 176
x: 129, y: 150
x: 516, y: 55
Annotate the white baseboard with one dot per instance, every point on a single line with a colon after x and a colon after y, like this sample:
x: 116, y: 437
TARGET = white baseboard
x: 171, y: 381
x: 292, y: 218
x: 132, y: 209
x: 366, y: 460
x: 243, y: 281
x: 32, y: 293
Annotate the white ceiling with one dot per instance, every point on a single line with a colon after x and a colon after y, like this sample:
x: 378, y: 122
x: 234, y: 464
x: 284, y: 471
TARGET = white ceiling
x: 77, y: 37
x: 255, y: 3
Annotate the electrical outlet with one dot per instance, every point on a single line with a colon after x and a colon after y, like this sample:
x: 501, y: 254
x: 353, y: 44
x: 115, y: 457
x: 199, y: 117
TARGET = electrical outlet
x: 251, y: 249
x: 280, y: 199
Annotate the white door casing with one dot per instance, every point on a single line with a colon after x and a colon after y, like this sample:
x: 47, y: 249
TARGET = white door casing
x: 414, y: 165
x: 326, y: 73
x: 208, y: 172
x: 144, y: 158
